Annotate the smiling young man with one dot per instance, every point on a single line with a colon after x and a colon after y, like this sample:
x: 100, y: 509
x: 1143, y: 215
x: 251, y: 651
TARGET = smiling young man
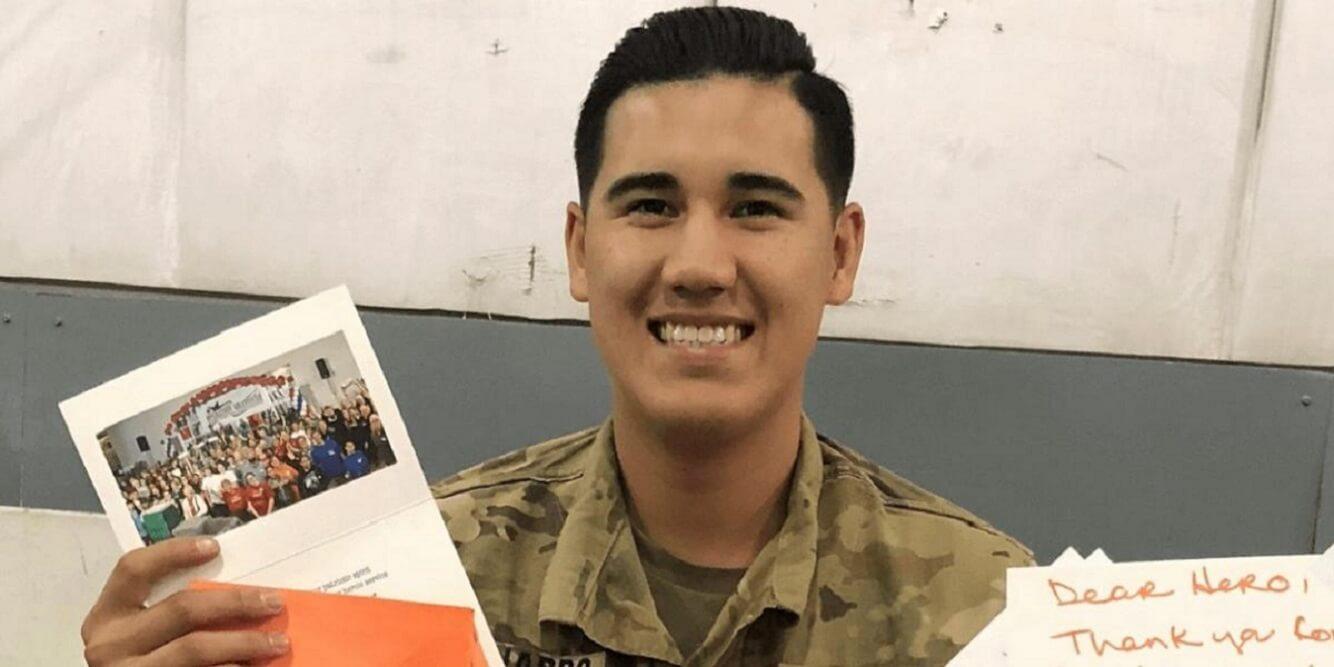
x: 706, y: 522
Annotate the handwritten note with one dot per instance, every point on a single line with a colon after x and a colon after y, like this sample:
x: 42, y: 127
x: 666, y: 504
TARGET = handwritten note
x: 1242, y: 611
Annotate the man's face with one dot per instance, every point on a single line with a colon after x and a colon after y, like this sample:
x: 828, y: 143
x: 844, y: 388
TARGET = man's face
x: 708, y: 213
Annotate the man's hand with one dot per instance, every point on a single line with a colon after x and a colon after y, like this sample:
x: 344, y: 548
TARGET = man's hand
x: 120, y: 631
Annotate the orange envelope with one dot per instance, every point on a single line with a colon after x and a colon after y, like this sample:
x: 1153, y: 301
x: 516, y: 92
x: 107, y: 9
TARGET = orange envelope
x: 346, y: 630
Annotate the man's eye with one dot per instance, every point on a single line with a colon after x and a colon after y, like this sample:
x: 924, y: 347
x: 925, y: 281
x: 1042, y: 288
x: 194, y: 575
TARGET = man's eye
x: 755, y: 208
x: 649, y: 207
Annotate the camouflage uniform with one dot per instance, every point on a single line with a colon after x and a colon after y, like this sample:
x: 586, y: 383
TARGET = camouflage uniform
x: 867, y: 568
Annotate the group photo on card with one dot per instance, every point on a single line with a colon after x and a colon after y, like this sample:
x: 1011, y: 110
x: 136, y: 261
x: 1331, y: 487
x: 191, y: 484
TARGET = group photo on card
x: 245, y: 446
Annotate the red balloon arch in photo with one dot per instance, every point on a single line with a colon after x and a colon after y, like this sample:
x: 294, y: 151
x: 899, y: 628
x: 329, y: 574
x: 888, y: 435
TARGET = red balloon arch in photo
x: 222, y: 387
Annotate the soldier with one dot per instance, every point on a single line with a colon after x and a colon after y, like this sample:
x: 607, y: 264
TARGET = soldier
x: 705, y: 522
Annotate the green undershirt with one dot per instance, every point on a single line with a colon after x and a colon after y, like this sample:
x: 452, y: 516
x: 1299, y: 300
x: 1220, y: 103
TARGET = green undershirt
x: 688, y: 597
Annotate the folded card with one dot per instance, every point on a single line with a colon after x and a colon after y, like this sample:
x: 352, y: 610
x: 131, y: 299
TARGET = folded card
x: 279, y: 437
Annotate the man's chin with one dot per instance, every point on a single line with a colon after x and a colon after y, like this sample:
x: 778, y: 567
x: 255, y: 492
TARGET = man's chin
x: 702, y: 421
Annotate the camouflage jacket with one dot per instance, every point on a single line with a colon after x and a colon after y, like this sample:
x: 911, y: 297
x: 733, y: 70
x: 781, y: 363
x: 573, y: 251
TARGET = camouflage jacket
x: 867, y: 568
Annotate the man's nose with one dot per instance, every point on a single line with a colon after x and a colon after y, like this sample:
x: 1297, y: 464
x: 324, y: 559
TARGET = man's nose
x: 701, y: 264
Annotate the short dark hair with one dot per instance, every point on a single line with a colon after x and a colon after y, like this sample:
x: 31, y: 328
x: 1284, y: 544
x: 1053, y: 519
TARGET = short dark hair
x: 697, y: 42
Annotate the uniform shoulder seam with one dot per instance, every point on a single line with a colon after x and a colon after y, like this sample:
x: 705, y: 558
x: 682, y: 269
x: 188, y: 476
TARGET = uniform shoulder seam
x: 849, y: 464
x: 455, y: 490
x: 552, y: 461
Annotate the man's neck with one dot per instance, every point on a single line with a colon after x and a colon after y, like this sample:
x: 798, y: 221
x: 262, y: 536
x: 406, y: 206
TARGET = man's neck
x: 710, y: 501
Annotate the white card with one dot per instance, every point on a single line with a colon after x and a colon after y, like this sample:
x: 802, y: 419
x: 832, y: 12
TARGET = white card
x: 373, y: 530
x: 1271, y: 610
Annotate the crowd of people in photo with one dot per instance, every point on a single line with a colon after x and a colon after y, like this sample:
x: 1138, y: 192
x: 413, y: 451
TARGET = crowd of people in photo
x: 260, y: 464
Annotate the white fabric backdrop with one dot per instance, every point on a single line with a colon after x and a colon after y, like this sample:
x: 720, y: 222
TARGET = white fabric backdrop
x: 1062, y: 174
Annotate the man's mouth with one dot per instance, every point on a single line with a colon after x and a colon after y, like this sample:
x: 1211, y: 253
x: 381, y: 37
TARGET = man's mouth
x: 699, y: 335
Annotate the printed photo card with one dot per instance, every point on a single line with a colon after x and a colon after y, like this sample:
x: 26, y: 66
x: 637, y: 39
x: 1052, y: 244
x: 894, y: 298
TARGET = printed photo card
x: 281, y: 439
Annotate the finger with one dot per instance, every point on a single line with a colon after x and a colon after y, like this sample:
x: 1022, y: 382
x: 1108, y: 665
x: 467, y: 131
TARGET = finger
x: 211, y: 648
x: 187, y: 611
x: 132, y: 579
x: 137, y: 571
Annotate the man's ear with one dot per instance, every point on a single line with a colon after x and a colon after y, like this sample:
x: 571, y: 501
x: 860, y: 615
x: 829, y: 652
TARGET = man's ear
x: 575, y: 230
x: 849, y: 235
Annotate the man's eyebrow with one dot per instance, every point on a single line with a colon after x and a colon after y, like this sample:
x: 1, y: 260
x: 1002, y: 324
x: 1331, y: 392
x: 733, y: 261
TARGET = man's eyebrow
x: 653, y: 180
x: 747, y: 180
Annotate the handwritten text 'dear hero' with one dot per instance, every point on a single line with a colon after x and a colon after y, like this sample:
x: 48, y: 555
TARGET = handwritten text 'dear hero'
x: 1066, y: 595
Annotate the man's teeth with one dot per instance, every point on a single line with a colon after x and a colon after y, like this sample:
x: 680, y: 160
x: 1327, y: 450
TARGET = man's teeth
x: 698, y: 336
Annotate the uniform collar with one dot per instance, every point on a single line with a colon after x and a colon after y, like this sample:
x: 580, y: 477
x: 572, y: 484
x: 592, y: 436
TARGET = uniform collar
x: 596, y: 582
x: 781, y: 575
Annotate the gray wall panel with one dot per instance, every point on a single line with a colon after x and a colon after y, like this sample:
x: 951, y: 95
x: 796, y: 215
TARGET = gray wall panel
x: 14, y: 308
x: 1324, y: 531
x: 101, y: 336
x: 1145, y: 458
x: 472, y: 389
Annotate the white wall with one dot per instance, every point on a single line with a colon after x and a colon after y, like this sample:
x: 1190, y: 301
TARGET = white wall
x: 342, y: 368
x: 54, y: 564
x: 1062, y: 182
x: 123, y: 436
x: 88, y: 139
x: 1285, y: 290
x: 1083, y: 178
